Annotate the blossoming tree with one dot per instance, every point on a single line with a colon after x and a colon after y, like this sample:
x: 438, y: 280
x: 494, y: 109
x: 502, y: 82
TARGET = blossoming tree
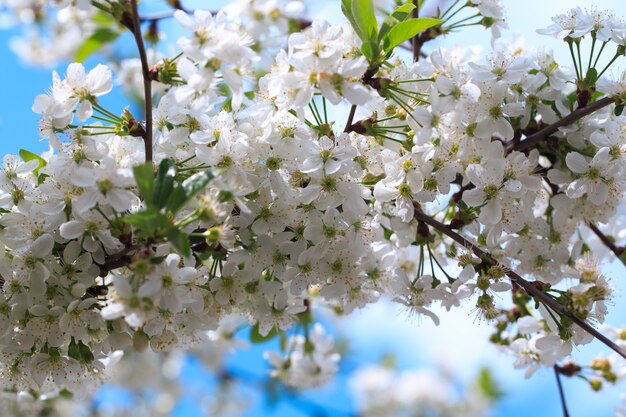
x: 245, y: 189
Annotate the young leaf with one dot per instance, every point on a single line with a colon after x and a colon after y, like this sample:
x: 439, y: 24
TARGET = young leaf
x: 144, y: 177
x: 29, y: 156
x: 346, y: 8
x: 96, y: 41
x: 149, y: 220
x: 189, y: 188
x: 398, y: 15
x: 591, y: 77
x: 404, y: 31
x: 363, y: 12
x: 164, y: 183
x: 179, y: 240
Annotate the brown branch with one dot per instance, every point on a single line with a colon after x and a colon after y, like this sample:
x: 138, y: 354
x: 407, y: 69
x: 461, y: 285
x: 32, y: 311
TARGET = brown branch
x: 617, y: 250
x: 348, y: 127
x: 557, y: 373
x: 147, y: 82
x: 577, y: 114
x: 529, y: 287
x: 416, y: 39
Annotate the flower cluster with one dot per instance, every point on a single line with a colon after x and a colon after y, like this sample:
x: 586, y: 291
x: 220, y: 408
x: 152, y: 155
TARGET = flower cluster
x: 264, y: 206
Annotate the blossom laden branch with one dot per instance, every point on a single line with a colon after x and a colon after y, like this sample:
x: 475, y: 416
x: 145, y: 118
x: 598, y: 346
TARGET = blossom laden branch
x: 617, y: 250
x: 534, y: 139
x: 529, y: 287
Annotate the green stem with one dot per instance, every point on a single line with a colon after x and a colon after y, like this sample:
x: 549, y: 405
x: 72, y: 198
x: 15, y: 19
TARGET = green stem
x: 617, y: 55
x: 571, y: 51
x: 593, y: 45
x: 450, y: 8
x: 600, y: 53
x: 580, y: 61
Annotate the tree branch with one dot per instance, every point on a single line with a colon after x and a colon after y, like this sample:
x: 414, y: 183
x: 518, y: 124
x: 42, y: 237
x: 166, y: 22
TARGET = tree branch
x: 348, y: 127
x: 147, y: 82
x: 529, y: 287
x: 617, y: 250
x: 416, y: 45
x: 577, y: 114
x: 557, y: 373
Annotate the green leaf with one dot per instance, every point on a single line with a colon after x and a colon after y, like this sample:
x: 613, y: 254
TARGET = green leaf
x: 149, y: 220
x: 488, y: 385
x: 368, y: 51
x: 404, y: 31
x: 189, y: 188
x: 29, y: 156
x: 619, y: 109
x: 164, y: 183
x: 96, y: 41
x: 363, y: 12
x: 256, y: 337
x: 144, y: 177
x: 591, y: 77
x: 346, y: 8
x: 179, y: 240
x: 399, y: 15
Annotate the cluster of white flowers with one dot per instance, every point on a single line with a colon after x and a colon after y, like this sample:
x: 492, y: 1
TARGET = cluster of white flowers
x: 302, y: 212
x: 60, y: 28
x: 383, y: 391
x: 310, y: 362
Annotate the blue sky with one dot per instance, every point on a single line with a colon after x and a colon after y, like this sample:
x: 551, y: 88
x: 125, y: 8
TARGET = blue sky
x: 460, y: 342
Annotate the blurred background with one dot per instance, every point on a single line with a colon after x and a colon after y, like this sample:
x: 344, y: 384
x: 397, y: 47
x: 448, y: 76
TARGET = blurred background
x: 458, y: 349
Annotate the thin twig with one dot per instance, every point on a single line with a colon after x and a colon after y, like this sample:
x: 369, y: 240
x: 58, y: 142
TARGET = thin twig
x: 147, y: 83
x: 416, y: 41
x: 618, y: 251
x: 531, y: 289
x: 577, y: 114
x: 561, y: 393
x: 350, y: 119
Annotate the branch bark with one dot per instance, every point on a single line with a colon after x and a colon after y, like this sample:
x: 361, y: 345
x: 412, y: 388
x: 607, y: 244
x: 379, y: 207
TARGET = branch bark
x: 617, y: 250
x: 577, y: 114
x: 531, y: 289
x: 147, y: 82
x: 416, y: 39
x: 557, y: 373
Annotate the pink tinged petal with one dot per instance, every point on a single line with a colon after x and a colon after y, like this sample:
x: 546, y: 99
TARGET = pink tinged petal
x: 576, y: 163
